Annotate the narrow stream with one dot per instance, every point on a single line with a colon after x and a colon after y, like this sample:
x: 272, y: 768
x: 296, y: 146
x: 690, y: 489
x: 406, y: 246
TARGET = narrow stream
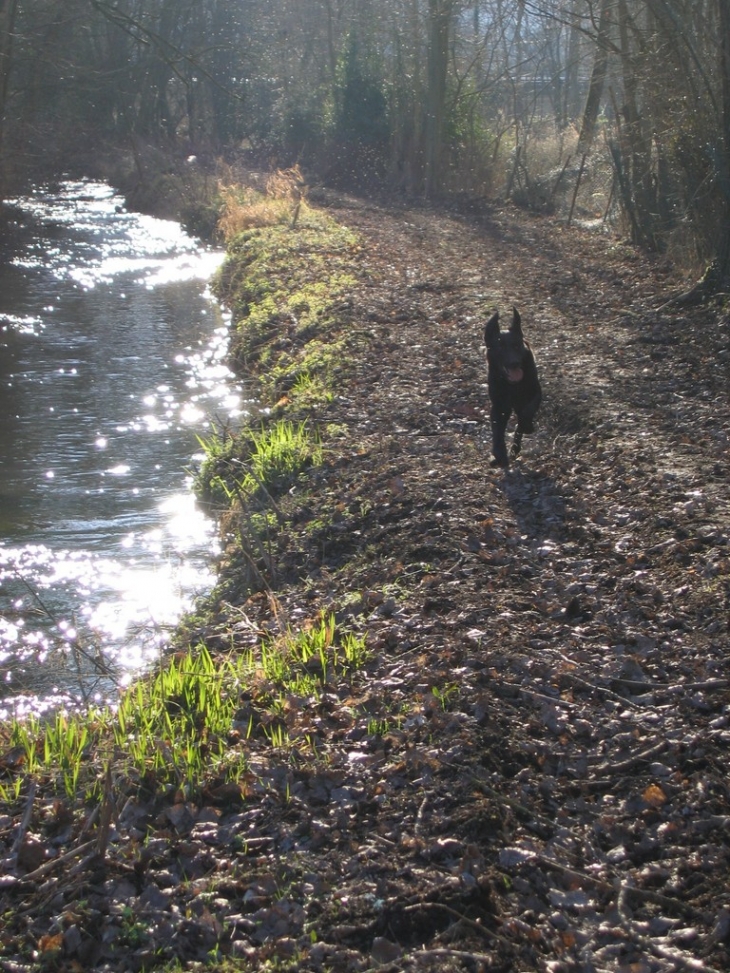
x: 111, y: 363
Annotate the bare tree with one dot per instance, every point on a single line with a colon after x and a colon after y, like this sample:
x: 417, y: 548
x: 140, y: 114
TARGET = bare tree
x: 440, y: 16
x: 717, y: 276
x: 444, y: 87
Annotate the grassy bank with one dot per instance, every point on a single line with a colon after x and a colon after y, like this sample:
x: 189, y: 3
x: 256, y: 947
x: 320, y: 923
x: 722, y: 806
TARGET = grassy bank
x: 230, y: 697
x: 286, y: 280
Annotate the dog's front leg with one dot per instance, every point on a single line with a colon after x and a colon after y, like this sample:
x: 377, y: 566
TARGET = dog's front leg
x: 525, y: 421
x: 499, y: 446
x: 525, y: 424
x: 526, y: 411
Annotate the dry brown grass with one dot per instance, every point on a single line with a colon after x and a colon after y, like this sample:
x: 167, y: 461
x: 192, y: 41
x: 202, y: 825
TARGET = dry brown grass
x: 245, y: 207
x: 287, y: 184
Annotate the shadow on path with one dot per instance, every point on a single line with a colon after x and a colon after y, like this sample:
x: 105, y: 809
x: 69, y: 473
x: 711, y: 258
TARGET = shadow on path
x: 536, y: 502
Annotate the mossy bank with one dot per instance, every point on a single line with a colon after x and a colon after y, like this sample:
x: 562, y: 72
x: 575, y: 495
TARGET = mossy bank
x: 293, y: 340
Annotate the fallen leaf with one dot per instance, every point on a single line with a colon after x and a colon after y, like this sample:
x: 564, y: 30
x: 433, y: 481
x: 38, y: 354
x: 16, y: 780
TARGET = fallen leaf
x: 50, y: 944
x: 654, y: 796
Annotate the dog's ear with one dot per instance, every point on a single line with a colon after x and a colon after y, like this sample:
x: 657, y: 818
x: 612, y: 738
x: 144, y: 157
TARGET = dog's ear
x: 491, y: 330
x: 516, y: 326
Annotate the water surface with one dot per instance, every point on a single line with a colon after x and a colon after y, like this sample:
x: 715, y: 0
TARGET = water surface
x: 111, y: 361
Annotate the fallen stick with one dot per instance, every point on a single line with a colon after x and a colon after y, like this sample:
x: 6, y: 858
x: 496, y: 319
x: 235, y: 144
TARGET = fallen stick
x: 23, y: 826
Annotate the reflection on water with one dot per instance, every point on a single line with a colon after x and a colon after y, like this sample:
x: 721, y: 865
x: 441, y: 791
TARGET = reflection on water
x: 111, y: 360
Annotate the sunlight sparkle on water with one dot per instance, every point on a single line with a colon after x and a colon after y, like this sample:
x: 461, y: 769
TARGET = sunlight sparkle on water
x: 151, y: 424
x: 199, y: 266
x: 146, y: 601
x: 191, y: 415
x: 115, y: 575
x: 112, y: 242
x: 23, y: 324
x: 185, y: 521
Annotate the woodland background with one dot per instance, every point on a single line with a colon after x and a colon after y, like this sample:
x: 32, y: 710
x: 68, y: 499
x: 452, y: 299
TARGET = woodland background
x: 626, y: 101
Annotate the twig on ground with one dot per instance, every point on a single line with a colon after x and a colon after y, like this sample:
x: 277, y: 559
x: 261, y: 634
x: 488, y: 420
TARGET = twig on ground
x: 678, y: 960
x: 445, y: 954
x: 645, y: 895
x: 48, y: 866
x: 23, y: 826
x: 471, y: 923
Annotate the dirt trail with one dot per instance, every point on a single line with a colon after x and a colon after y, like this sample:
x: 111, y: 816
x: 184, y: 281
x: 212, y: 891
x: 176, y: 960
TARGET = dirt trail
x: 576, y: 606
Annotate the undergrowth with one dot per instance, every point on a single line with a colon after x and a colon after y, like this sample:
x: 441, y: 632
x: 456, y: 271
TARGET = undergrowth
x: 288, y: 280
x: 257, y: 464
x: 189, y: 721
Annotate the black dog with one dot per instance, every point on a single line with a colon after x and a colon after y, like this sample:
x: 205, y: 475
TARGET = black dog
x: 513, y: 385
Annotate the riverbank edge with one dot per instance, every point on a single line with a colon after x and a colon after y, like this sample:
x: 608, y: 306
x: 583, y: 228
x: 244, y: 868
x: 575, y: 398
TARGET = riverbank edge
x: 294, y: 337
x: 289, y: 291
x: 293, y: 346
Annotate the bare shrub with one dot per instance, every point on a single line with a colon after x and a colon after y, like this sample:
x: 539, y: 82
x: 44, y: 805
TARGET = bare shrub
x: 545, y: 170
x: 287, y: 184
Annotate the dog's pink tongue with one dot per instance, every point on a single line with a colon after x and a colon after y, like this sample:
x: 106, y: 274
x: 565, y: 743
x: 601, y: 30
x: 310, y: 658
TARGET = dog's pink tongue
x: 514, y: 374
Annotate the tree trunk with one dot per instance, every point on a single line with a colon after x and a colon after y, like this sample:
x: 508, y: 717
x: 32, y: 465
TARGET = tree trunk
x: 637, y: 161
x: 439, y: 24
x: 571, y: 91
x: 596, y: 84
x: 716, y: 278
x: 719, y: 272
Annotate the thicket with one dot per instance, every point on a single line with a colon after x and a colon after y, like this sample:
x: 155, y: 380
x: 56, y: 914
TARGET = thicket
x: 598, y: 109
